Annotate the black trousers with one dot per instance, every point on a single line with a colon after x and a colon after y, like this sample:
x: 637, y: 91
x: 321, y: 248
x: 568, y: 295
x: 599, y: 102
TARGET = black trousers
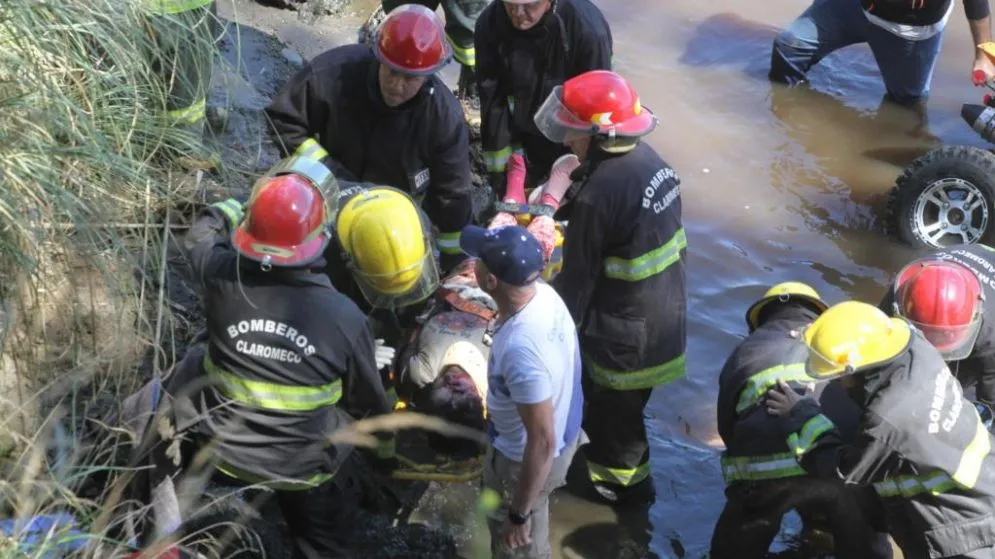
x: 752, y: 516
x: 618, y: 454
x: 461, y: 18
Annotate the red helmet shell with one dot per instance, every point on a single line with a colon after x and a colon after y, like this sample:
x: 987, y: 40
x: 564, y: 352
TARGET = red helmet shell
x: 943, y: 299
x: 606, y: 100
x: 285, y: 223
x: 412, y: 40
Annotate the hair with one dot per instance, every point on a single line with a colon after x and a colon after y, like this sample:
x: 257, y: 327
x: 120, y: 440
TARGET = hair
x: 462, y: 408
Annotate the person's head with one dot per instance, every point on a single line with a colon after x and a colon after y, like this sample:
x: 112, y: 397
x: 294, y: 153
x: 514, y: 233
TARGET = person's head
x: 287, y: 218
x: 387, y: 244
x: 525, y: 14
x: 945, y: 301
x: 598, y: 106
x: 411, y: 46
x: 781, y: 295
x: 853, y: 338
x: 508, y: 258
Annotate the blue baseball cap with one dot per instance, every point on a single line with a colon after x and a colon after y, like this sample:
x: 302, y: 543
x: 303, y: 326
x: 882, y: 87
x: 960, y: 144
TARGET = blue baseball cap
x: 511, y: 253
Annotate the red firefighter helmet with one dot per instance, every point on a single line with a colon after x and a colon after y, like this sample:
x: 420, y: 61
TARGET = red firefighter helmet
x: 285, y: 224
x: 596, y: 102
x: 412, y: 41
x: 945, y: 301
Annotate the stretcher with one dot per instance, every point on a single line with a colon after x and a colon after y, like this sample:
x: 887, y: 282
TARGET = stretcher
x: 418, y: 462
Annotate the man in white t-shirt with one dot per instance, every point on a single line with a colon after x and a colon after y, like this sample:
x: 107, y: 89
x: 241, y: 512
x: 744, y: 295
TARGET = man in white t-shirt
x: 534, y: 400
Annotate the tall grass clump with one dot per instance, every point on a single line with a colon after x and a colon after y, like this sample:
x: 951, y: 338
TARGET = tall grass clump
x: 86, y: 191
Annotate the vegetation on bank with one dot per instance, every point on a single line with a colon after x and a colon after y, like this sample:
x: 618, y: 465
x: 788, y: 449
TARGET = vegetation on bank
x: 87, y: 196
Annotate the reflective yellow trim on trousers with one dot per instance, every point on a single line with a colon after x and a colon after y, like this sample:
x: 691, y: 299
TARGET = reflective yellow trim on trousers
x: 276, y: 485
x: 648, y: 265
x: 232, y: 209
x: 759, y: 383
x: 971, y: 461
x: 625, y: 477
x: 311, y: 149
x: 189, y: 115
x: 448, y: 243
x: 277, y: 397
x: 757, y: 468
x: 170, y: 7
x: 804, y: 440
x: 497, y: 161
x: 639, y: 379
x: 467, y: 56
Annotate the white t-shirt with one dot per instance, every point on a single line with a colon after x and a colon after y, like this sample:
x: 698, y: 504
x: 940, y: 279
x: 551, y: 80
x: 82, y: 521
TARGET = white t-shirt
x: 535, y: 356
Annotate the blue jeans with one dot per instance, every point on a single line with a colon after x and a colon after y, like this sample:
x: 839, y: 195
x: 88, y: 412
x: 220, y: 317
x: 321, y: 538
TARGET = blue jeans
x: 829, y: 25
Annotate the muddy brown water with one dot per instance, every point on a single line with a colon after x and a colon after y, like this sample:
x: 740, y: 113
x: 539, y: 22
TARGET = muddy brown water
x: 777, y: 185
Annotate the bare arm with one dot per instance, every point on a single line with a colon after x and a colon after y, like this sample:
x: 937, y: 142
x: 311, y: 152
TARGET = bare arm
x: 540, y: 448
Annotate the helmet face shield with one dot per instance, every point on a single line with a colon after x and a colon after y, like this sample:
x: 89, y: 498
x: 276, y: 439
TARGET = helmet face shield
x: 400, y: 288
x: 315, y: 172
x: 953, y: 342
x: 558, y: 124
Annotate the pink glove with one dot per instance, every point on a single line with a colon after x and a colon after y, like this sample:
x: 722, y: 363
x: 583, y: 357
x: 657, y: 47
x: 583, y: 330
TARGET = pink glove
x: 559, y: 180
x: 515, y: 185
x: 543, y: 228
x: 502, y: 219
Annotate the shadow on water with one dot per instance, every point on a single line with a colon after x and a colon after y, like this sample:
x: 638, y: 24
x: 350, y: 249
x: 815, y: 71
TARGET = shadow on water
x: 730, y: 40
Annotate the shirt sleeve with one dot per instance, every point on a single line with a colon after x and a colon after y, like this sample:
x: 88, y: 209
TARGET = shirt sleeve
x: 526, y: 377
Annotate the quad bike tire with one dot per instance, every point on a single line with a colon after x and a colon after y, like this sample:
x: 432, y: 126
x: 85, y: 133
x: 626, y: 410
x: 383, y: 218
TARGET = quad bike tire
x: 917, y: 193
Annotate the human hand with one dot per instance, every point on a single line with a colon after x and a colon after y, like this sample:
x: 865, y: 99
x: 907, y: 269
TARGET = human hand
x: 983, y: 69
x: 383, y: 354
x: 781, y: 399
x: 516, y: 536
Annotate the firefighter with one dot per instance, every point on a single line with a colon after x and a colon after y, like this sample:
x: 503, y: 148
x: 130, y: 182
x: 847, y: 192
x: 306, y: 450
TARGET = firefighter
x: 623, y: 275
x: 382, y: 258
x: 381, y: 115
x: 944, y: 296
x: 461, y: 18
x: 182, y: 56
x: 763, y: 481
x: 920, y: 444
x: 525, y: 48
x: 289, y: 358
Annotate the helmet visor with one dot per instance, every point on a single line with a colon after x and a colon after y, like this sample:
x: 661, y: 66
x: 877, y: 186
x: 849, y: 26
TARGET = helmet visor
x: 400, y: 288
x: 558, y: 124
x: 315, y: 172
x: 953, y: 342
x: 823, y: 367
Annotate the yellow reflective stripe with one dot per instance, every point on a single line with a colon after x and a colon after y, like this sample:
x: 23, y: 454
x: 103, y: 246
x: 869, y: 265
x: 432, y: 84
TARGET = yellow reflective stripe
x: 804, y: 440
x: 497, y: 161
x: 754, y: 468
x: 232, y: 209
x: 466, y: 56
x: 448, y: 243
x: 190, y: 114
x: 758, y: 384
x: 311, y: 149
x: 167, y: 7
x: 386, y: 448
x: 624, y: 477
x: 969, y: 467
x: 909, y: 486
x: 269, y: 396
x: 649, y: 264
x: 277, y: 485
x: 641, y: 378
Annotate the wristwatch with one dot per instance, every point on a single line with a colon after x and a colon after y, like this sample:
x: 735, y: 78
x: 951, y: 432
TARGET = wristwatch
x: 518, y: 519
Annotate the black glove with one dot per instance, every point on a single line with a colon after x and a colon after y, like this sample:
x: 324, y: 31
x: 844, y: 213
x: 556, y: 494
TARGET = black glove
x: 985, y: 411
